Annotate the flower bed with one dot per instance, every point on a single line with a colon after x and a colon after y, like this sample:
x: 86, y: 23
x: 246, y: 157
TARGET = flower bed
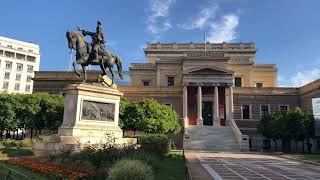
x: 60, y: 171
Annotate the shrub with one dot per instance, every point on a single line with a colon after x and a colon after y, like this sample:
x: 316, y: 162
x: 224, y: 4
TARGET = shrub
x: 155, y: 143
x: 11, y: 143
x: 130, y: 169
x: 148, y: 116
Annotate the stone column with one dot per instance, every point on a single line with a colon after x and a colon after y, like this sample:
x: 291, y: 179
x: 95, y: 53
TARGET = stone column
x: 216, y: 120
x: 227, y: 104
x: 199, y: 105
x: 231, y: 101
x: 185, y: 105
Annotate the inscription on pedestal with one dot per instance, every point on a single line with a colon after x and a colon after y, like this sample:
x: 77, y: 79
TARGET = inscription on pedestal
x: 97, y: 111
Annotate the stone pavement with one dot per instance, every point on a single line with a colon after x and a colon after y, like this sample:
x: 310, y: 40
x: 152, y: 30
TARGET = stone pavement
x: 218, y: 165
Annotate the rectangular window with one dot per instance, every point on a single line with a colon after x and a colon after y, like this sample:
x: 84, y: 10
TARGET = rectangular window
x: 6, y: 75
x: 264, y: 110
x: 5, y: 85
x: 30, y: 68
x: 245, y: 111
x: 170, y: 80
x: 237, y: 82
x: 18, y: 77
x: 31, y: 58
x: 1, y: 52
x: 146, y: 82
x: 30, y: 50
x: 29, y: 78
x: 17, y: 87
x: 20, y: 48
x: 28, y: 88
x: 9, y: 54
x: 9, y: 46
x: 8, y: 65
x: 259, y: 85
x: 20, y: 56
x: 19, y: 67
x: 284, y: 107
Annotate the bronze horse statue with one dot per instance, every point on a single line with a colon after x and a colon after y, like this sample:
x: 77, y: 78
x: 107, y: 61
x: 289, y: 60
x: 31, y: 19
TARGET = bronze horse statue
x: 84, y: 57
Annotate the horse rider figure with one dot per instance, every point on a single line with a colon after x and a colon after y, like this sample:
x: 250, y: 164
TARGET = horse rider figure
x: 98, y: 41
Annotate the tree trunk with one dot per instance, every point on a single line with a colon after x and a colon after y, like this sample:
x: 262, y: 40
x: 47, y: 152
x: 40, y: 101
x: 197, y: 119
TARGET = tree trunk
x: 40, y: 131
x: 275, y: 145
x: 1, y: 134
x: 303, y: 145
x: 25, y: 130
x: 309, y: 145
x: 31, y: 133
x: 296, y: 145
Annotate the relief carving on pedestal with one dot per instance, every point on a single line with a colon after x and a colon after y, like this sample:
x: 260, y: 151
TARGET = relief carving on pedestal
x: 97, y: 111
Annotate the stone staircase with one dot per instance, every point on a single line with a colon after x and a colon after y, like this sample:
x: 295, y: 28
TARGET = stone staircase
x: 210, y: 138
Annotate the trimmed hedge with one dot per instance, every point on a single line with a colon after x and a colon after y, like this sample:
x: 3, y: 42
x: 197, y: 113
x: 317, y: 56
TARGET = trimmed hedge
x: 155, y: 143
x: 130, y: 170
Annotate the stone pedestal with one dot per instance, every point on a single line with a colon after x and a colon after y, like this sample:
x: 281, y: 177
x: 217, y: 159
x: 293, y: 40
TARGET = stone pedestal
x: 90, y: 111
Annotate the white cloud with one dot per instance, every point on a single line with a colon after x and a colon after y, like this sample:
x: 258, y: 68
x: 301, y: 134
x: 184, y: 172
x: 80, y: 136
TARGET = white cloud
x: 219, y: 29
x: 201, y: 19
x: 225, y: 30
x: 305, y: 77
x: 305, y: 74
x: 158, y: 16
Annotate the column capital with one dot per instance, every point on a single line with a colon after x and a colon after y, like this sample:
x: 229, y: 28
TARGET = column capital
x: 199, y: 84
x: 185, y: 84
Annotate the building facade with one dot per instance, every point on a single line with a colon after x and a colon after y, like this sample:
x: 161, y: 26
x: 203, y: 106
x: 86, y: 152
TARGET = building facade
x: 18, y: 61
x: 208, y: 85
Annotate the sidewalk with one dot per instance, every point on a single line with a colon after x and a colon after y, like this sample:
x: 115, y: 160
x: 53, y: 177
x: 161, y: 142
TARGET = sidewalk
x: 196, y: 170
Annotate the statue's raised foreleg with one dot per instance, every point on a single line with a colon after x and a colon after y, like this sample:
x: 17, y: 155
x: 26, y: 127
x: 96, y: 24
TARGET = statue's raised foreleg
x: 84, y: 72
x: 119, y: 66
x: 102, y: 67
x: 75, y: 70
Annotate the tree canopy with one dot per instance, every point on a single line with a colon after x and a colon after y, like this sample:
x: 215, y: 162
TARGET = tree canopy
x: 148, y: 116
x: 30, y: 111
x: 295, y: 125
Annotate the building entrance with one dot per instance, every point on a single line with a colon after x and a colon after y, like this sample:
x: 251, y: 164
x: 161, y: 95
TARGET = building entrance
x: 207, y: 113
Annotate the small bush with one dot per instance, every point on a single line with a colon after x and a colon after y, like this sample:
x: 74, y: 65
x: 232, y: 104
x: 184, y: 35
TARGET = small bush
x: 130, y: 170
x: 155, y: 143
x: 10, y: 143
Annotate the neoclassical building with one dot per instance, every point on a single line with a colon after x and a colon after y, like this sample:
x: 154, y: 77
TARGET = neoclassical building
x: 217, y: 89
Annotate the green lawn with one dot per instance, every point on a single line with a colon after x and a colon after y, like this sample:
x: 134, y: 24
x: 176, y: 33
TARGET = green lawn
x: 309, y: 157
x: 171, y: 167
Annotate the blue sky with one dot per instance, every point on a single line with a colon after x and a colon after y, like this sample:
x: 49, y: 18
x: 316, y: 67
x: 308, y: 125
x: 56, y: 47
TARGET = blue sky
x: 286, y: 32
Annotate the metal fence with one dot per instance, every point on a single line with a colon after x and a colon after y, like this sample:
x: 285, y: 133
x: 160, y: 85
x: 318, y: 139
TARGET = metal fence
x: 6, y: 173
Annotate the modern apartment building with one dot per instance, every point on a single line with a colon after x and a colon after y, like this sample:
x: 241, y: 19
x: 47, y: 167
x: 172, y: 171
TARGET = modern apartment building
x: 18, y: 61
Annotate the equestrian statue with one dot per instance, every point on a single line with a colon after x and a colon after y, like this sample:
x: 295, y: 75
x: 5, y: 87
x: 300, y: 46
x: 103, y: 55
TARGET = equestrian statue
x: 93, y: 53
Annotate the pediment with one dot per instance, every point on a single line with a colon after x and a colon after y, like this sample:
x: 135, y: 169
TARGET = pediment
x: 207, y: 70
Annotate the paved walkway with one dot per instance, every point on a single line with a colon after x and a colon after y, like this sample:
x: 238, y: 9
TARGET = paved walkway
x: 205, y: 166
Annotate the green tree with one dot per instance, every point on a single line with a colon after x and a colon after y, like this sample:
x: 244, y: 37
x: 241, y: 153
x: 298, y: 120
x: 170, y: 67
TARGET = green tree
x: 159, y: 119
x: 148, y: 116
x: 50, y: 115
x: 7, y: 114
x: 131, y: 117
